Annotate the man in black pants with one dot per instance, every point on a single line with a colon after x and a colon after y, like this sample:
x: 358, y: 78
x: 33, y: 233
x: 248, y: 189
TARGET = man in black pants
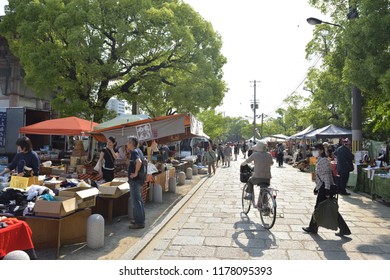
x: 344, y: 158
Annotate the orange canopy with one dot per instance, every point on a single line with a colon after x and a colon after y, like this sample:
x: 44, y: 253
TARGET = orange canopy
x: 62, y: 126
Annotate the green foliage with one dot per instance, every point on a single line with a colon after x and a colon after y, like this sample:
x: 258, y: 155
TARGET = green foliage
x: 357, y: 54
x: 213, y: 124
x: 159, y: 54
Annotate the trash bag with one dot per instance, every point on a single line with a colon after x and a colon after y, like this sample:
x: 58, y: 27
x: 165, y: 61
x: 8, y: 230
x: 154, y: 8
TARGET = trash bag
x: 326, y: 213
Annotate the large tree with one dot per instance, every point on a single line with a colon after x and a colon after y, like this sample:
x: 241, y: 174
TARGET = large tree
x: 354, y: 54
x: 159, y: 54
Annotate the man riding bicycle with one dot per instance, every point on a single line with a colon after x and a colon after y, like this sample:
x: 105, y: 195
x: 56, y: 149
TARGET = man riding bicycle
x: 262, y: 168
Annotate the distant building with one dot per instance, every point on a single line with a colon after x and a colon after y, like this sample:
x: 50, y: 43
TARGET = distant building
x: 119, y: 106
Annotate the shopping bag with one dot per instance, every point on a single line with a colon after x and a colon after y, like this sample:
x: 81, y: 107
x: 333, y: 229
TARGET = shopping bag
x: 97, y: 167
x: 326, y: 213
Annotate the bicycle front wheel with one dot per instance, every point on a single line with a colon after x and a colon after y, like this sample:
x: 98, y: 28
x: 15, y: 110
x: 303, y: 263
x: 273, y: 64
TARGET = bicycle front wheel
x: 246, y: 204
x: 268, y: 209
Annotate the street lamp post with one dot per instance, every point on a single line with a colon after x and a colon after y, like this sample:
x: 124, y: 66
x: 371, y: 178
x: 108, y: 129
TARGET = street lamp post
x: 254, y: 106
x: 357, y: 135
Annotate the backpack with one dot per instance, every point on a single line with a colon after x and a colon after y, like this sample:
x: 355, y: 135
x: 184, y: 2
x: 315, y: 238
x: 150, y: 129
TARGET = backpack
x: 143, y: 171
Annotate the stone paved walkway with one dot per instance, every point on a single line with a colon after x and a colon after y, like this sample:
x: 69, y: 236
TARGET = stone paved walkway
x: 211, y: 225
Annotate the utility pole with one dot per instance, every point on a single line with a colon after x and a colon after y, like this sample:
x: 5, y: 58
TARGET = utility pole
x: 357, y: 135
x: 254, y: 106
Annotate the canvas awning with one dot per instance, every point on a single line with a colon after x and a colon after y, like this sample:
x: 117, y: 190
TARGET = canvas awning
x: 302, y: 133
x: 71, y: 126
x: 163, y: 129
x: 121, y: 119
x: 329, y: 131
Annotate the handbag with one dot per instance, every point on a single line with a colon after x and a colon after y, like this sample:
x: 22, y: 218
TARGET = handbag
x: 326, y: 213
x: 334, y: 189
x: 97, y: 167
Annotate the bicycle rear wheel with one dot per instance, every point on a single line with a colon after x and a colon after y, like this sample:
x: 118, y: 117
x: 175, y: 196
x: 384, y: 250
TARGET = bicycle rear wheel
x: 246, y: 204
x: 268, y: 209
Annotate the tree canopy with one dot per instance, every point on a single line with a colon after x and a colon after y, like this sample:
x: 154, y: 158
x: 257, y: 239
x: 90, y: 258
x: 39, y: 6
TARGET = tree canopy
x: 158, y: 54
x: 357, y: 54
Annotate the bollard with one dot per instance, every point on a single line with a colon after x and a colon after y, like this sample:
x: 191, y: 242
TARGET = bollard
x: 172, y: 184
x: 95, y: 231
x: 157, y: 193
x: 189, y: 173
x: 16, y: 255
x: 195, y: 170
x: 182, y: 178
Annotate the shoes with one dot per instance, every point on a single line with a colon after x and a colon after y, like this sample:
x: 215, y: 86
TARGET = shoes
x: 266, y: 211
x: 132, y: 222
x: 136, y: 226
x: 249, y: 196
x: 341, y: 234
x: 345, y: 193
x: 309, y: 230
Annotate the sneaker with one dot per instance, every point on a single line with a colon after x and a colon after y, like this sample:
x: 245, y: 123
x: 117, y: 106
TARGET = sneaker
x: 309, y: 230
x: 136, y: 226
x: 249, y: 196
x: 266, y: 211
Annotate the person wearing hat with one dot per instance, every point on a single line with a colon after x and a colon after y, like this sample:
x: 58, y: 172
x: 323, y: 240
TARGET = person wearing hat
x: 262, y: 167
x: 344, y: 165
x: 107, y: 160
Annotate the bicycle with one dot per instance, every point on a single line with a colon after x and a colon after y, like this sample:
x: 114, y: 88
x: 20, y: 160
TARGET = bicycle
x: 265, y: 203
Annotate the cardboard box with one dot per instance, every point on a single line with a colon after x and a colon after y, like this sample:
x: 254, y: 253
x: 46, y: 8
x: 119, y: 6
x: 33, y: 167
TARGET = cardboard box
x: 113, y: 189
x: 62, y: 206
x: 18, y: 182
x: 52, y: 184
x: 43, y: 170
x: 85, y: 196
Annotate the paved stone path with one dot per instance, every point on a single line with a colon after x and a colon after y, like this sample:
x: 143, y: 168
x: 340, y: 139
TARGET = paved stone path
x: 211, y: 225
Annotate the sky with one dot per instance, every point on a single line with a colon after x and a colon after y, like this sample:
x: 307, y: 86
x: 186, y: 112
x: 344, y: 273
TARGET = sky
x: 263, y: 41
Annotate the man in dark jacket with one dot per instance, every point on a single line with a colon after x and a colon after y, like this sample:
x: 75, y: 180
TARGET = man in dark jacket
x: 344, y: 158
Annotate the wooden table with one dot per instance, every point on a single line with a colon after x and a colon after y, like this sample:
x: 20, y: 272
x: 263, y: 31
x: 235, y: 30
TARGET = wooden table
x: 110, y: 207
x: 55, y: 232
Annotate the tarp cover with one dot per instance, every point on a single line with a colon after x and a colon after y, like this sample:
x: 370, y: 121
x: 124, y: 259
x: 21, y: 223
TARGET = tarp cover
x: 71, y: 126
x: 302, y: 133
x: 163, y: 129
x: 121, y: 119
x: 329, y: 131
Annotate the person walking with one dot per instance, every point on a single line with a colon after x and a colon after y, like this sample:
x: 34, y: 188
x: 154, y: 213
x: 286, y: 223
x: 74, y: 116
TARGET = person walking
x: 220, y: 155
x: 227, y: 151
x: 244, y: 148
x: 210, y: 158
x: 107, y: 160
x: 344, y: 165
x: 236, y: 150
x: 136, y: 183
x: 324, y: 179
x: 280, y: 154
